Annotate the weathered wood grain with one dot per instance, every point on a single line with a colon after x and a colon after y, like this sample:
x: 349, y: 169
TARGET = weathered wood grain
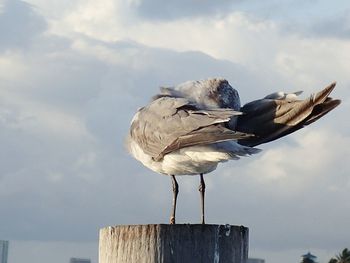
x: 173, y: 244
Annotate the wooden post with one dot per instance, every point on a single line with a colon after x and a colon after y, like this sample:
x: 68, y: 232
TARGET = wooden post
x: 173, y: 244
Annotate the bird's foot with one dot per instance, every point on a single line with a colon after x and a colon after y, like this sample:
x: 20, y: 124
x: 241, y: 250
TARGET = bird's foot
x: 172, y: 220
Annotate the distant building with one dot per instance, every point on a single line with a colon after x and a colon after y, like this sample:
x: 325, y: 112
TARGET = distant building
x: 255, y: 260
x: 79, y: 260
x: 4, y: 248
x: 309, y: 258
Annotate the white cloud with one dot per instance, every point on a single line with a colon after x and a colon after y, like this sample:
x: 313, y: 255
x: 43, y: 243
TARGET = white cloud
x: 11, y: 66
x: 229, y: 37
x: 302, y: 59
x: 259, y: 44
x: 19, y: 113
x: 307, y: 163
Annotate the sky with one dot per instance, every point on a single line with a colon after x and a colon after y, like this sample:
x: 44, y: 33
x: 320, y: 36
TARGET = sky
x: 73, y: 73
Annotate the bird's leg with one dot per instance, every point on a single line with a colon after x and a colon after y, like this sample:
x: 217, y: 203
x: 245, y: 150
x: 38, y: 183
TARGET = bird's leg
x: 202, y: 191
x: 175, y: 192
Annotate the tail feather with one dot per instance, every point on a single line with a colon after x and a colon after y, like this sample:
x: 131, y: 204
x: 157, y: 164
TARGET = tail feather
x: 322, y: 109
x: 270, y: 119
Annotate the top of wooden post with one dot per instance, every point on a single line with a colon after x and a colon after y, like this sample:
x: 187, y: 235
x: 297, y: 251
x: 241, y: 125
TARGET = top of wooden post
x: 173, y: 243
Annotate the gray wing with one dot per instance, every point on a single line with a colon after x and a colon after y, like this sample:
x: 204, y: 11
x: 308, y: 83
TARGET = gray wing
x: 270, y: 119
x: 168, y: 124
x: 208, y: 93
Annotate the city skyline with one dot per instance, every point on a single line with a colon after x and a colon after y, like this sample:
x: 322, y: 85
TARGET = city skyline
x: 4, y: 246
x: 79, y: 260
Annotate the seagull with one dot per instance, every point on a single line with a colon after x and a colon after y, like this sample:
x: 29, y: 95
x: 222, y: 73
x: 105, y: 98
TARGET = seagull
x: 190, y: 128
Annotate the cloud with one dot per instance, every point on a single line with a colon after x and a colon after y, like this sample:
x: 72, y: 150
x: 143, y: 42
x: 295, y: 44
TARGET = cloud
x: 258, y: 43
x: 337, y: 26
x: 160, y: 10
x: 18, y: 30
